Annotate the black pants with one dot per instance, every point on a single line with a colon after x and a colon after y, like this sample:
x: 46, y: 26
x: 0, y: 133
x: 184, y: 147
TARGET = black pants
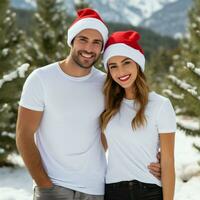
x: 132, y: 190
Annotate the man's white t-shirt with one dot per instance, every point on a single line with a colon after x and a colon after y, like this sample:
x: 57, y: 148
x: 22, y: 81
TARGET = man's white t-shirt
x: 68, y: 137
x: 131, y: 151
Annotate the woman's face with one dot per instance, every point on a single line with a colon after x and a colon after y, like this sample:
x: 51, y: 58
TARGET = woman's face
x: 123, y: 70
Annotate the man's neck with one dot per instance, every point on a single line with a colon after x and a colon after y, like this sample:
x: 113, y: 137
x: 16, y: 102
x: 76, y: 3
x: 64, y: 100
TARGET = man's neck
x: 70, y: 68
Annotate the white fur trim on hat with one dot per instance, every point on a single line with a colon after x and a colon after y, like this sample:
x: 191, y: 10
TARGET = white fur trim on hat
x: 87, y: 23
x: 121, y: 49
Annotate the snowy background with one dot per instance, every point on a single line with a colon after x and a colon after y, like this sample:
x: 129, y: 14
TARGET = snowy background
x: 153, y: 14
x: 16, y: 184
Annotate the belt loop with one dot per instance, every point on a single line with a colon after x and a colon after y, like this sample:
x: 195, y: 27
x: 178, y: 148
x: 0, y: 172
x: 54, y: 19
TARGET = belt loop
x: 77, y: 195
x: 140, y: 185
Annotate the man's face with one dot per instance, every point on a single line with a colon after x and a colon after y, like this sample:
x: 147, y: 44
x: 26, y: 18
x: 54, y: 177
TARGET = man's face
x: 86, y: 48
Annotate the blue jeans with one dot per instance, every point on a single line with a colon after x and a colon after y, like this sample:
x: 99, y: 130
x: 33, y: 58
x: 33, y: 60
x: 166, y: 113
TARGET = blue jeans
x: 132, y: 190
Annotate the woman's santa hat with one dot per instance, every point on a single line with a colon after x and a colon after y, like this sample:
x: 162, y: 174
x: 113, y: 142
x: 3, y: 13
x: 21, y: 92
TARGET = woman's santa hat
x: 124, y: 43
x: 87, y: 18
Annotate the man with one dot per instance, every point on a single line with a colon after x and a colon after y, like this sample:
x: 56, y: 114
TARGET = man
x: 59, y: 108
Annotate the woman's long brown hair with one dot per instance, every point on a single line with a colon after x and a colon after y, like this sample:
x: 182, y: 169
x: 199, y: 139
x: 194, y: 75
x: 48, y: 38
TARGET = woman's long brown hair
x: 114, y: 95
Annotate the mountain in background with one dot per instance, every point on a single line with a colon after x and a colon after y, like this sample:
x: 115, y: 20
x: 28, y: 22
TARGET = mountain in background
x: 23, y: 4
x: 171, y: 20
x: 166, y: 17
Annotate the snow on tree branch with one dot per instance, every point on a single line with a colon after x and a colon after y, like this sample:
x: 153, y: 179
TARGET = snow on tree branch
x: 19, y: 72
x: 193, y: 68
x: 185, y: 86
x: 173, y: 95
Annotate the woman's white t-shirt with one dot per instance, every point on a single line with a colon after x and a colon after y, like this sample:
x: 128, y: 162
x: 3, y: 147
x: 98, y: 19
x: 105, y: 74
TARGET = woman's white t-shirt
x: 131, y: 151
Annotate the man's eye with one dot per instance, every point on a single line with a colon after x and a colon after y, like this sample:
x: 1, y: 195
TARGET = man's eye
x: 82, y: 40
x: 97, y: 43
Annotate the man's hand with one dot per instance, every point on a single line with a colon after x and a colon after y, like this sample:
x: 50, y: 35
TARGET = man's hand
x: 47, y: 184
x: 155, y: 168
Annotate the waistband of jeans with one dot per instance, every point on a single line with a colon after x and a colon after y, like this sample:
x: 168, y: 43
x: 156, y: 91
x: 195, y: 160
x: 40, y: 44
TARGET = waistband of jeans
x: 131, y: 183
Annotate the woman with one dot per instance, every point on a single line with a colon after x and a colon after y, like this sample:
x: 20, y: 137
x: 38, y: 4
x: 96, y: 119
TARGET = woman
x: 135, y: 123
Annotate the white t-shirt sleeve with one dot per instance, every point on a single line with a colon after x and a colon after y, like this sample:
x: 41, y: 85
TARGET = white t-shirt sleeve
x: 33, y: 93
x: 166, y: 118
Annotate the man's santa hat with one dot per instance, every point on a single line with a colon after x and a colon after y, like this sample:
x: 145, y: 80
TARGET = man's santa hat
x: 87, y: 18
x: 124, y: 43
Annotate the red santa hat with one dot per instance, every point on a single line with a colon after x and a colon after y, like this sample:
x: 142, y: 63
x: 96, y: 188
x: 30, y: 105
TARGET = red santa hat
x: 124, y: 43
x: 87, y: 18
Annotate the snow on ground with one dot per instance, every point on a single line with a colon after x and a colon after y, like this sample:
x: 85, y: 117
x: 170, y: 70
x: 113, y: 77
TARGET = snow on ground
x: 16, y: 184
x: 186, y: 163
x: 187, y: 169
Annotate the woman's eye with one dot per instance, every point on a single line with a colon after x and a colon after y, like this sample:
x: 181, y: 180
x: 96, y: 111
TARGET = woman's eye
x: 112, y: 66
x: 127, y: 62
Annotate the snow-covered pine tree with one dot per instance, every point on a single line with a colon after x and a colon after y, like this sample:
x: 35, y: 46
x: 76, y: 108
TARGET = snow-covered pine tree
x: 12, y: 55
x: 49, y: 33
x: 185, y: 74
x: 11, y: 47
x: 80, y: 4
